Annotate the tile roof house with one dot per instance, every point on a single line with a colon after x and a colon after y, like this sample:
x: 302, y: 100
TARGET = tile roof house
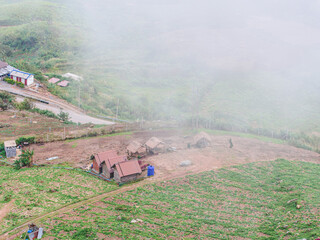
x: 99, y: 158
x: 155, y: 145
x: 107, y: 169
x: 127, y: 171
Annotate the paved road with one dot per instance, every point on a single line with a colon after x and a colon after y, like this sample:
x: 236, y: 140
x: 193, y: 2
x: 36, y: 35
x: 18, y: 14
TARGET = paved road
x: 55, y: 104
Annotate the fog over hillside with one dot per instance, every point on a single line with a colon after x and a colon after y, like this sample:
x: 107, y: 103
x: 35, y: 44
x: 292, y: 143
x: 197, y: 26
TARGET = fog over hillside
x: 270, y: 47
x: 243, y: 61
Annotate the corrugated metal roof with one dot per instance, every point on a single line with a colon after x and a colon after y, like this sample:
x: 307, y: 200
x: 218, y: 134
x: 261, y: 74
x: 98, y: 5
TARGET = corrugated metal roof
x: 63, y: 83
x: 3, y: 64
x: 128, y: 168
x: 11, y: 143
x: 21, y: 74
x: 53, y: 80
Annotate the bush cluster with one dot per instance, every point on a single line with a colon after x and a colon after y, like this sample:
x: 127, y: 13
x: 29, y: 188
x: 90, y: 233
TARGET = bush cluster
x: 21, y: 140
x: 10, y: 81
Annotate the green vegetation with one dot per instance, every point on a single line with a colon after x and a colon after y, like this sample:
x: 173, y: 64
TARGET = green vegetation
x: 25, y: 159
x: 39, y: 190
x: 22, y: 140
x: 266, y: 200
x: 6, y: 100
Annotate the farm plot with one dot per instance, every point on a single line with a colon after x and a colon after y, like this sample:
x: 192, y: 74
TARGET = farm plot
x: 36, y: 191
x: 264, y: 200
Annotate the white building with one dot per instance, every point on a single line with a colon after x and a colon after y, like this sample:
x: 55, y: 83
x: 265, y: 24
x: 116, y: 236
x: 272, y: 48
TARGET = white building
x: 19, y: 76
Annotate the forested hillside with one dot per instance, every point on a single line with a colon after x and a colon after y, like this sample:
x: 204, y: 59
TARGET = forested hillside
x: 232, y: 67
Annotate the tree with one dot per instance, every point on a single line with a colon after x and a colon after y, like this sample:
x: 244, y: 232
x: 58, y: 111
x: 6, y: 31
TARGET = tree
x: 26, y: 104
x: 25, y: 159
x: 63, y: 116
x: 6, y: 101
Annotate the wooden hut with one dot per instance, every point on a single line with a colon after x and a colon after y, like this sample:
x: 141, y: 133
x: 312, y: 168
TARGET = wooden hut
x: 126, y: 171
x: 202, y: 140
x: 136, y: 149
x: 155, y: 146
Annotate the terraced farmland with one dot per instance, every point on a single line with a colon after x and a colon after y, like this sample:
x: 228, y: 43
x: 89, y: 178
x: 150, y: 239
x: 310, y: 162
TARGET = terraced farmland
x: 265, y: 200
x: 36, y: 191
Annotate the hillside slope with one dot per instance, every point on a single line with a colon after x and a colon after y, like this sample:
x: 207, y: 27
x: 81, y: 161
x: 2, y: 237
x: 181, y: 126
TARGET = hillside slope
x: 250, y: 68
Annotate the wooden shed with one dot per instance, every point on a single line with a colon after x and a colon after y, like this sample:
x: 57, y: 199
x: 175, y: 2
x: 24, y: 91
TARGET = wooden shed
x: 155, y: 145
x: 99, y: 158
x: 202, y: 140
x: 136, y: 149
x: 126, y: 171
x: 11, y: 148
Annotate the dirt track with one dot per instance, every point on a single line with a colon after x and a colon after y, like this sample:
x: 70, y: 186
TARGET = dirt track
x: 245, y: 150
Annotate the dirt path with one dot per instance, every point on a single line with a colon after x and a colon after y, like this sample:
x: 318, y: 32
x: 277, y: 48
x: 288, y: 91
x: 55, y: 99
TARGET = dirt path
x: 18, y: 231
x: 55, y: 104
x: 6, y: 209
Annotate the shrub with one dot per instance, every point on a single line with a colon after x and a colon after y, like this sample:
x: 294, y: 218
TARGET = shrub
x: 44, y: 112
x: 21, y: 140
x: 20, y: 84
x: 26, y: 104
x: 25, y: 159
x: 10, y: 81
x: 63, y: 116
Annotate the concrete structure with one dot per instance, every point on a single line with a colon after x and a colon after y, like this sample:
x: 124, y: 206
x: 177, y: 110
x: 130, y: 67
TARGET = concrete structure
x: 126, y: 171
x: 155, y: 146
x: 202, y: 140
x: 23, y: 77
x: 10, y: 148
x: 136, y: 149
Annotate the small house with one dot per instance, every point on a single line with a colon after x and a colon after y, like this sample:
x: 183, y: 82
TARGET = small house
x: 126, y: 171
x: 3, y: 70
x: 202, y: 140
x: 53, y: 80
x: 23, y: 77
x: 107, y: 169
x: 11, y: 148
x: 63, y: 83
x: 99, y: 158
x: 136, y: 149
x: 155, y: 146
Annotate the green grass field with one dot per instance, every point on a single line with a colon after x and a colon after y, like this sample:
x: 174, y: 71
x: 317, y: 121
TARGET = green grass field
x: 251, y: 201
x: 40, y: 190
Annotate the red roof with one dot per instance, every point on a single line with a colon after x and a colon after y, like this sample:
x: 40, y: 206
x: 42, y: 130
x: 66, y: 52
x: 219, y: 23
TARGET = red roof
x: 103, y: 156
x: 53, y: 80
x: 128, y: 168
x: 110, y: 162
x: 63, y: 83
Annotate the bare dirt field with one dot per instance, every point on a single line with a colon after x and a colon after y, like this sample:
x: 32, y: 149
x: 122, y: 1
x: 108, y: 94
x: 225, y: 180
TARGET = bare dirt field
x: 167, y: 165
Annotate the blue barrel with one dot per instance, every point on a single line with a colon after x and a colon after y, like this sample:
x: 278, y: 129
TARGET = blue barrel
x: 150, y: 171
